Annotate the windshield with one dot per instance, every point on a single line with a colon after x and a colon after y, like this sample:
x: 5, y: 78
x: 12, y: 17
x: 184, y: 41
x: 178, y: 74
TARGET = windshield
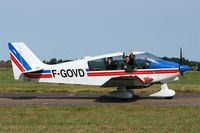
x: 144, y: 60
x: 148, y: 56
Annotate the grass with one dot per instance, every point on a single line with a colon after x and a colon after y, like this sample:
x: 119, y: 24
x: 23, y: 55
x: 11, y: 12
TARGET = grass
x: 190, y: 83
x: 100, y: 119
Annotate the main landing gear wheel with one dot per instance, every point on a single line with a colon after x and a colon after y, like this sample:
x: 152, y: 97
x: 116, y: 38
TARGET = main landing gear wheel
x: 122, y: 93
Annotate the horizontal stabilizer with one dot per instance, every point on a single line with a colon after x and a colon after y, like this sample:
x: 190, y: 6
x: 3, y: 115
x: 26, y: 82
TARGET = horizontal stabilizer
x: 33, y: 70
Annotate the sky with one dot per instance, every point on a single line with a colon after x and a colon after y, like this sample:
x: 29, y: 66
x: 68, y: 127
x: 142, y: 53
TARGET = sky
x: 68, y: 29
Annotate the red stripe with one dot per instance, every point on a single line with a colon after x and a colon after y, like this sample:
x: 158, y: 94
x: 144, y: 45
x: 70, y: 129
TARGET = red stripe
x: 121, y: 73
x: 16, y: 63
x: 106, y: 74
x: 38, y: 76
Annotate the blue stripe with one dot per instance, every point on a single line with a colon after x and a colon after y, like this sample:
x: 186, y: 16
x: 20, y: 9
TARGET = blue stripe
x: 87, y: 70
x: 42, y: 71
x: 19, y: 57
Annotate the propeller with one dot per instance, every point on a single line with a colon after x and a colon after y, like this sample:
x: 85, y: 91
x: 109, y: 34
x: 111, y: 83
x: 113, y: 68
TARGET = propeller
x: 181, y: 61
x: 181, y: 64
x: 182, y: 68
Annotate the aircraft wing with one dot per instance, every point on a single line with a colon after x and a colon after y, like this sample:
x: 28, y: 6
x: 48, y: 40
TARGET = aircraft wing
x: 130, y: 81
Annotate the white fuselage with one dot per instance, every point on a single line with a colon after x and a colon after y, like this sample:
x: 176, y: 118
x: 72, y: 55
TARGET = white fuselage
x: 76, y: 72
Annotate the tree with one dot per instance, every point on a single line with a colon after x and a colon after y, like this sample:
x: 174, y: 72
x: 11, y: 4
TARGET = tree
x: 5, y: 64
x: 53, y: 61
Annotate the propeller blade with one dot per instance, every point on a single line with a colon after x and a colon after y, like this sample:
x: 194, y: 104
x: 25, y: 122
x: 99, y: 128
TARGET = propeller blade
x: 181, y: 61
x: 181, y: 57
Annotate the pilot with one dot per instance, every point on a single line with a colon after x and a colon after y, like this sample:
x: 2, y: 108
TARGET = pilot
x: 110, y: 65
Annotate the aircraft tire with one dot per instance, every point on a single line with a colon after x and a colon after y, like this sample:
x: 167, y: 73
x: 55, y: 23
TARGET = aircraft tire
x: 169, y: 97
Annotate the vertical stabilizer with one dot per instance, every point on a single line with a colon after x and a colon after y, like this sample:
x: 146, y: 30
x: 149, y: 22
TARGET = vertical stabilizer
x: 23, y: 59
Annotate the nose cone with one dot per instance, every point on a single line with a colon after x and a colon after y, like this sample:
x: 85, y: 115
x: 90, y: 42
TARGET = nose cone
x: 184, y: 68
x: 168, y: 64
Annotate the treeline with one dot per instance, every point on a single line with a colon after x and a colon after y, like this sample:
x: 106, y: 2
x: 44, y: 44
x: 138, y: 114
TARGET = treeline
x: 55, y: 61
x: 195, y: 65
x: 8, y: 64
x: 5, y: 64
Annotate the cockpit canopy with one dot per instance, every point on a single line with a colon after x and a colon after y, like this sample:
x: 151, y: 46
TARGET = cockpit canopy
x: 142, y: 60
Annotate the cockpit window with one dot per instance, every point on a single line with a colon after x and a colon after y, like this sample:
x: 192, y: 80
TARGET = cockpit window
x: 97, y: 65
x: 104, y: 64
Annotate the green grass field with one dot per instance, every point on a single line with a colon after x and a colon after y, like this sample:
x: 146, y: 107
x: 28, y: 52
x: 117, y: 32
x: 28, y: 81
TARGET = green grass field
x: 190, y: 83
x: 97, y: 119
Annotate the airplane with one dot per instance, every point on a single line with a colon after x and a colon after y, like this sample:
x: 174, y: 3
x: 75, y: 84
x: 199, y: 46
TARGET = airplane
x: 147, y: 71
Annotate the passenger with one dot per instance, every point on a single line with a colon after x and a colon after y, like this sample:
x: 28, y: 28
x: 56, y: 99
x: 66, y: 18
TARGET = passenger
x: 132, y: 60
x: 128, y: 66
x: 110, y: 65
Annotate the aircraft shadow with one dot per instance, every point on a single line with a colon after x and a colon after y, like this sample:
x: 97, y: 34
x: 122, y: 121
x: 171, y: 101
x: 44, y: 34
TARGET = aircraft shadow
x: 48, y: 97
x: 97, y: 98
x: 105, y: 99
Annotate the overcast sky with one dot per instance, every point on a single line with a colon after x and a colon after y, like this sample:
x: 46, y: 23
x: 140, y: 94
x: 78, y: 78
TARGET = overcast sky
x: 77, y: 28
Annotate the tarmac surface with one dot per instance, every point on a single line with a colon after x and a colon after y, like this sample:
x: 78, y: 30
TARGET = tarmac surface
x: 77, y: 99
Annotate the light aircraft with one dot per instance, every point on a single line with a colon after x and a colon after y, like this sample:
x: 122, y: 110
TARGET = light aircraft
x: 148, y: 70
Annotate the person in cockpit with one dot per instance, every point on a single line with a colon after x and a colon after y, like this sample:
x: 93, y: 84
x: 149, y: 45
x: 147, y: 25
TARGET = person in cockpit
x: 132, y: 60
x: 110, y: 65
x: 128, y: 65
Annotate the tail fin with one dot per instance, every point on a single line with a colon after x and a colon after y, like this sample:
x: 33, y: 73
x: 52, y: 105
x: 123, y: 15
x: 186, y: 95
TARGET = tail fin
x: 23, y: 59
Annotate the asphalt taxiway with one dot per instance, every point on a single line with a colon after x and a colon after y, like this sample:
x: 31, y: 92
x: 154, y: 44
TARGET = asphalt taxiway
x: 73, y: 99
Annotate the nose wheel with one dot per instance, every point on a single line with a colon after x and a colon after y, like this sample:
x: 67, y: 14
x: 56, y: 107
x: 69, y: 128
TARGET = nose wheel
x: 164, y: 92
